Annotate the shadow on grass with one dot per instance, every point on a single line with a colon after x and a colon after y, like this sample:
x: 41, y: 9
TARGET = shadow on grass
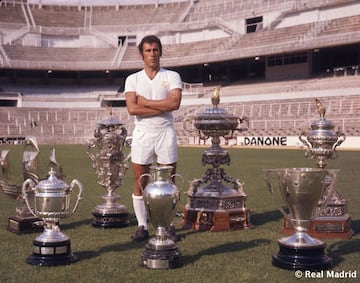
x: 268, y: 216
x: 338, y: 250
x: 355, y: 225
x: 75, y: 224
x: 88, y: 221
x: 224, y: 248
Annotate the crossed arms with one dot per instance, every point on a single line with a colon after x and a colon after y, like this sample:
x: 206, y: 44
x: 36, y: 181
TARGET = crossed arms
x: 141, y: 106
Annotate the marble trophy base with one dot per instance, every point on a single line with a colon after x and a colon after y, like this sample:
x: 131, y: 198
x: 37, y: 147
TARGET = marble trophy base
x: 216, y: 214
x: 52, y: 251
x: 301, y: 252
x: 326, y: 227
x: 110, y: 216
x: 24, y: 225
x: 161, y: 254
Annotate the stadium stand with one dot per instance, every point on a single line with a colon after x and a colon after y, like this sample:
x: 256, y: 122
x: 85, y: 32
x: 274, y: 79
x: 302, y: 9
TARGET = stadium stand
x: 62, y: 65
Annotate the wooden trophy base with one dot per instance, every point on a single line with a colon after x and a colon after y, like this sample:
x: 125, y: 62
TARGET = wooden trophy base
x: 24, y: 225
x: 326, y: 227
x: 216, y: 220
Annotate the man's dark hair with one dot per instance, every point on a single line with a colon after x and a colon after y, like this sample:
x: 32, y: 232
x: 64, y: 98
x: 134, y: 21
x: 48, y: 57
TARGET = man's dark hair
x: 150, y: 39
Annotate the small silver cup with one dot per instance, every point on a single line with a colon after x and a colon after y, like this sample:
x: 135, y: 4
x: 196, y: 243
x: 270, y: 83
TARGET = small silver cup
x: 51, y: 203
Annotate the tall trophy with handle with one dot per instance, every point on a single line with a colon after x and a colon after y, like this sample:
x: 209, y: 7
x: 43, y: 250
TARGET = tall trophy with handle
x: 298, y: 190
x: 161, y: 196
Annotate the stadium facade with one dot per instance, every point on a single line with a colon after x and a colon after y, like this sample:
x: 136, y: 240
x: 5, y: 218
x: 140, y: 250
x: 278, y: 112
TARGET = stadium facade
x: 77, y: 54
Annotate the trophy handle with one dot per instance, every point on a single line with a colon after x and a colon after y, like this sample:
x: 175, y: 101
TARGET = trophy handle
x: 123, y: 131
x: 139, y: 181
x: 28, y: 185
x: 241, y: 121
x: 80, y: 187
x: 340, y: 140
x: 182, y: 180
x: 90, y: 145
x: 270, y: 188
x: 303, y: 138
x: 185, y: 123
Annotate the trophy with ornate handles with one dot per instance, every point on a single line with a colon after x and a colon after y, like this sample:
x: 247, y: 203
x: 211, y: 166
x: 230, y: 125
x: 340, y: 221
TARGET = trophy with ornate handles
x: 298, y: 190
x: 161, y: 196
x: 321, y: 144
x: 23, y: 222
x: 213, y: 205
x: 110, y: 165
x: 51, y: 203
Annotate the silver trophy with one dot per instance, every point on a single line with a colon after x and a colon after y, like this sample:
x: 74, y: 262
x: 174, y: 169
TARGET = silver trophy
x: 321, y: 144
x: 51, y: 203
x: 23, y: 222
x: 298, y: 190
x: 212, y: 205
x: 322, y: 141
x: 161, y: 196
x: 110, y: 165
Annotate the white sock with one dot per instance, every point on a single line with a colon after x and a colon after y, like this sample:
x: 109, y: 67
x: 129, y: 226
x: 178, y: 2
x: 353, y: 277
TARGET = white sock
x: 140, y: 210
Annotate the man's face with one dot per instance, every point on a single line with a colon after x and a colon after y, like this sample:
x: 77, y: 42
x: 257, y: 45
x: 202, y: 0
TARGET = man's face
x: 151, y: 55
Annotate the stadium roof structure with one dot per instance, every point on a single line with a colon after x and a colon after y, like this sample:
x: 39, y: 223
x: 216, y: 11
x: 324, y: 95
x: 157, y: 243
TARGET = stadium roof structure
x: 101, y: 2
x: 211, y: 39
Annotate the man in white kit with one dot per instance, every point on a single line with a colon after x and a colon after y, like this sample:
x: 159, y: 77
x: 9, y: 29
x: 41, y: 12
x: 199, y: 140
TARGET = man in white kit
x: 151, y: 96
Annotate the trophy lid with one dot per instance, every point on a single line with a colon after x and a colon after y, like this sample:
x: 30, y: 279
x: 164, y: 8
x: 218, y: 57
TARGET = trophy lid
x: 110, y: 122
x: 51, y: 183
x: 215, y: 118
x: 322, y: 124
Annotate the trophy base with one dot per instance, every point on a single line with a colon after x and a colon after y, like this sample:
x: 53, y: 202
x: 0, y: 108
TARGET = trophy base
x: 103, y: 220
x: 161, y: 256
x: 216, y: 220
x: 326, y: 227
x: 24, y: 225
x: 51, y: 253
x: 305, y: 258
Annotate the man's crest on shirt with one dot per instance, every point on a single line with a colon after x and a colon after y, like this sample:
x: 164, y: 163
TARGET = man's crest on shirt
x: 164, y: 84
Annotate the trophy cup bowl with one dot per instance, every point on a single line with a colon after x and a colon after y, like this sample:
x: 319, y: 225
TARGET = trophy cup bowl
x: 300, y: 189
x: 161, y: 196
x: 51, y: 203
